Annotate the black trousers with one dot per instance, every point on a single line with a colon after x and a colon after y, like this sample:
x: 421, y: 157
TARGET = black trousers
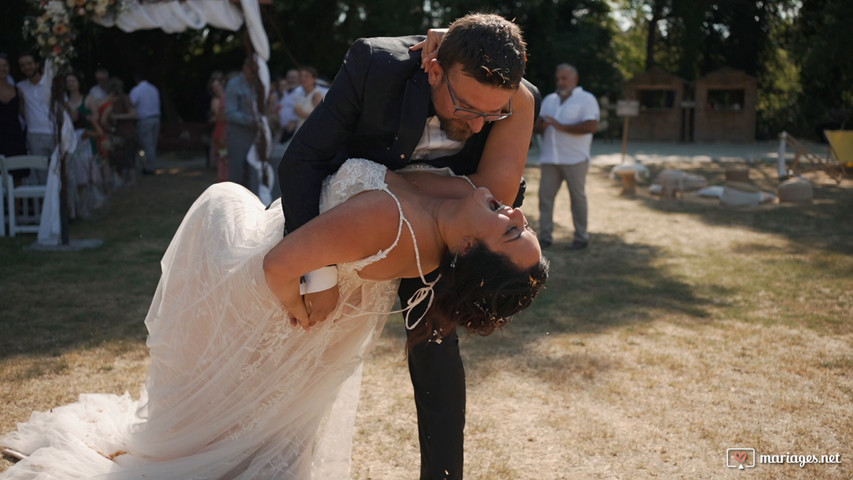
x: 438, y: 378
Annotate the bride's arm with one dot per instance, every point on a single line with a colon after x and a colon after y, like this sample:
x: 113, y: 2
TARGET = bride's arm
x: 351, y: 231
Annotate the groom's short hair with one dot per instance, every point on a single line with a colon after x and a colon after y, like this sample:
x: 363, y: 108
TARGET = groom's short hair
x: 489, y: 48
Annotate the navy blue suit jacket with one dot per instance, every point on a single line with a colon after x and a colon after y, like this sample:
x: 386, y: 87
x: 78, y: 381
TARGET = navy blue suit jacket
x: 376, y: 108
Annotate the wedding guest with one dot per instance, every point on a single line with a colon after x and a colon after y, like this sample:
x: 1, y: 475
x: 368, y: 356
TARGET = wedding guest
x: 117, y: 118
x: 568, y: 119
x: 272, y: 107
x: 241, y: 111
x: 35, y: 90
x: 80, y: 158
x: 98, y: 92
x: 218, y: 141
x: 311, y: 96
x: 146, y: 101
x: 84, y: 173
x: 287, y: 117
x: 13, y: 139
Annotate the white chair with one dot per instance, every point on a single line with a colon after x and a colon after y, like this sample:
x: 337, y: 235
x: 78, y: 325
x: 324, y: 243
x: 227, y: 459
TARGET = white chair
x: 29, y: 198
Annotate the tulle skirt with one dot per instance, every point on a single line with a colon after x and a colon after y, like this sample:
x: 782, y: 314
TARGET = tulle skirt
x: 233, y: 390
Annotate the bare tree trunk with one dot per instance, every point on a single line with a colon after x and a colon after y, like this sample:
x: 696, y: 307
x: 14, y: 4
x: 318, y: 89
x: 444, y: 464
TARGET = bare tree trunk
x: 651, y: 34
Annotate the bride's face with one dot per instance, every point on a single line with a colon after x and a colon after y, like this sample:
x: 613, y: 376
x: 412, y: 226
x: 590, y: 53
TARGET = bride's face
x: 502, y: 229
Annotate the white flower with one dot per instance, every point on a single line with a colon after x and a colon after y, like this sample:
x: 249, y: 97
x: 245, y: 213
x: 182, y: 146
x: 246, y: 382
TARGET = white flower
x: 54, y: 7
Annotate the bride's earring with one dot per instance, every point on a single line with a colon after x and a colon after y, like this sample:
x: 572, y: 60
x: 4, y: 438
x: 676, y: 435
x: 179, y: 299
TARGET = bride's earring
x: 465, y: 246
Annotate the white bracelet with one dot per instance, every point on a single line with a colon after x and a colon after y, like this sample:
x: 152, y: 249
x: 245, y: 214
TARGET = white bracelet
x: 318, y: 280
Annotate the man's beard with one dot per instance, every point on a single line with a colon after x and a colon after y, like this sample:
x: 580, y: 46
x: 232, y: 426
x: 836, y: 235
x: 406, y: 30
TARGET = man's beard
x: 455, y: 129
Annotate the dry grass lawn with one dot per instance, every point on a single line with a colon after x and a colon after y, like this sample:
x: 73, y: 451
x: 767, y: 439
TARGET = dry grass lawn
x: 685, y: 329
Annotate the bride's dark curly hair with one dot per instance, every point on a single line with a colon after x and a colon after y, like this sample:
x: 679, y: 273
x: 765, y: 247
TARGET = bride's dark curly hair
x: 480, y: 291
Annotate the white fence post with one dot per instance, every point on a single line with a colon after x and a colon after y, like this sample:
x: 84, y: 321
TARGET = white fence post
x: 783, y: 140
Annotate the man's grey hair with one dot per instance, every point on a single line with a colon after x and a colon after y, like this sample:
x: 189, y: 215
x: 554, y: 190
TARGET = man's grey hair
x: 566, y: 66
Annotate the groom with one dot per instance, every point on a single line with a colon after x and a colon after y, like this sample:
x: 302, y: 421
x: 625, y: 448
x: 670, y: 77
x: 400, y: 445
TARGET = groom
x: 471, y: 111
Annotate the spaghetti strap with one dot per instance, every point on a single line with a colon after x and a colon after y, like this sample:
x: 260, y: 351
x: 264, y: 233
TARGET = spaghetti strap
x: 426, y: 292
x: 469, y: 181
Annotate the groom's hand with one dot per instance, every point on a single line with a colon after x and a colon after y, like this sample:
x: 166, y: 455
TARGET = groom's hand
x: 321, y: 304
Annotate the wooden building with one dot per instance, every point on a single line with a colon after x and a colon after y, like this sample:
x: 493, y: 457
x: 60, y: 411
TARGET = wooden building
x: 660, y: 95
x: 725, y: 107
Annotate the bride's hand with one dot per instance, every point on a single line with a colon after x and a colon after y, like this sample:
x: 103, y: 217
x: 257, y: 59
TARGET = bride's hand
x: 429, y: 46
x: 321, y: 304
x: 295, y: 306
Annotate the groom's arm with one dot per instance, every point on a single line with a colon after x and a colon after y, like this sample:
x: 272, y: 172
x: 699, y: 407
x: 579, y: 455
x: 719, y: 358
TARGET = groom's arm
x: 312, y: 154
x: 501, y: 166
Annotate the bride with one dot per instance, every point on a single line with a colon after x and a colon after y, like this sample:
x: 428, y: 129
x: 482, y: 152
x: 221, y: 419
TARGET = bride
x: 234, y: 390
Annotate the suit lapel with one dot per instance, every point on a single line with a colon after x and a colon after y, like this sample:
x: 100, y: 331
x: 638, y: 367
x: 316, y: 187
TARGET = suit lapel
x: 413, y: 115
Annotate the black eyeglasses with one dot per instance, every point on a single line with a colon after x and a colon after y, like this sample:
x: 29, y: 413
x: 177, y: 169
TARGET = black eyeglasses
x: 470, y: 114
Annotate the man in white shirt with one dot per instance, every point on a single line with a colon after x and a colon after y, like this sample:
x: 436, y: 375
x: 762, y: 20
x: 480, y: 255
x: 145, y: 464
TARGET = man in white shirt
x: 98, y: 92
x: 35, y: 91
x: 568, y: 119
x: 286, y: 113
x: 146, y: 98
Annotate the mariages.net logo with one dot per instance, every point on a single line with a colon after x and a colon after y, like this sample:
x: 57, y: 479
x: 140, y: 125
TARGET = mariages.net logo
x: 743, y: 458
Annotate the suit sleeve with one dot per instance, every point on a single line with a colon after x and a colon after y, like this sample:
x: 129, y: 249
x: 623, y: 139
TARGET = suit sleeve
x: 313, y: 153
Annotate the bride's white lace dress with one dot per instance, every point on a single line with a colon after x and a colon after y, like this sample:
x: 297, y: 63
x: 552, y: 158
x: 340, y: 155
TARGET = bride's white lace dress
x: 234, y: 390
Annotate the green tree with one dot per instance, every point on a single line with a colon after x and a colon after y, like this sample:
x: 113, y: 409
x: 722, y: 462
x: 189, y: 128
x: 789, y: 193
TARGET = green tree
x: 319, y: 33
x: 820, y: 40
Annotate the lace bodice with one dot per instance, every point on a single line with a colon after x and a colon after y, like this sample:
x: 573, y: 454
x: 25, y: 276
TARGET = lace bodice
x: 358, y: 175
x: 353, y: 177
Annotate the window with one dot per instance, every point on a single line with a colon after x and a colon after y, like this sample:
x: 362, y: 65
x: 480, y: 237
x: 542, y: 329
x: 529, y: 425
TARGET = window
x: 657, y: 99
x: 724, y: 100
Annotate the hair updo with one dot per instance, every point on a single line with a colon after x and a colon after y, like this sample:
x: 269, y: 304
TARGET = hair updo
x: 480, y: 291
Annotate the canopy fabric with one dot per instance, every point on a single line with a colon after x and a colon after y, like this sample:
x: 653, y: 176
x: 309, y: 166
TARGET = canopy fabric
x: 177, y: 16
x: 173, y: 16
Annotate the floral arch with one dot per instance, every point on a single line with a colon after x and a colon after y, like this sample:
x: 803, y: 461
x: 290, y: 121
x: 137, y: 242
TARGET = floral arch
x: 53, y: 30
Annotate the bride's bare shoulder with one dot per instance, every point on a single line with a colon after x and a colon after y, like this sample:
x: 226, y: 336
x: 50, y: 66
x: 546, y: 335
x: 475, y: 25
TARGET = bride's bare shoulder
x: 433, y: 183
x: 372, y: 210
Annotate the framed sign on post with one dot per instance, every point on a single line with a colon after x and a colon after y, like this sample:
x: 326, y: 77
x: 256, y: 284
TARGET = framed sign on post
x: 626, y: 109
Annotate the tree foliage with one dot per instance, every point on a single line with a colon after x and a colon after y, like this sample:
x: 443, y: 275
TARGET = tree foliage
x: 820, y: 40
x: 798, y: 49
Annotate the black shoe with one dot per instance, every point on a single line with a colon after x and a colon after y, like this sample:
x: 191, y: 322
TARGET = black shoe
x: 149, y: 172
x: 578, y: 245
x: 543, y: 244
